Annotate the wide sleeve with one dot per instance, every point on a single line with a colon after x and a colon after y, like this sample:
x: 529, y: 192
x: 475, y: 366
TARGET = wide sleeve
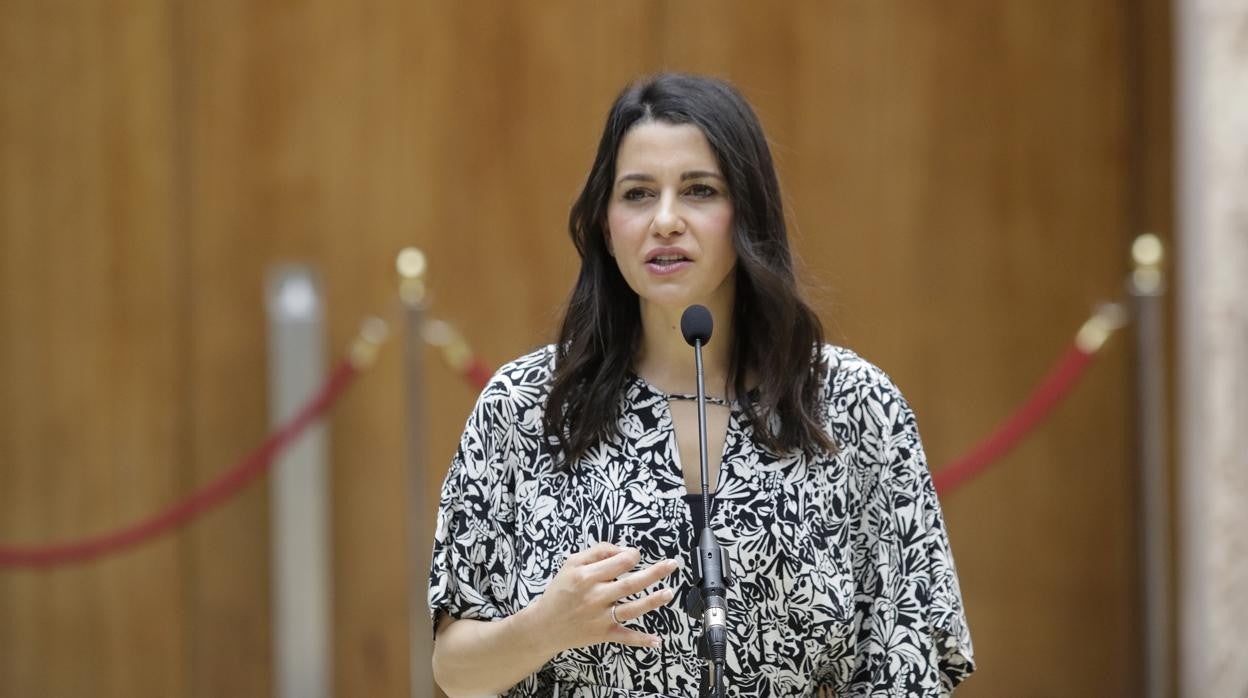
x: 472, y: 537
x: 912, y: 636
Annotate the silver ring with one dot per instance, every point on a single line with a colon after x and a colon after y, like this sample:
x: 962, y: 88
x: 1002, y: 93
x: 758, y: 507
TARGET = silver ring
x: 613, y: 616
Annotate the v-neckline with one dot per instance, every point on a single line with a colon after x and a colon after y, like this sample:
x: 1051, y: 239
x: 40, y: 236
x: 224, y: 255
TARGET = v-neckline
x: 673, y: 442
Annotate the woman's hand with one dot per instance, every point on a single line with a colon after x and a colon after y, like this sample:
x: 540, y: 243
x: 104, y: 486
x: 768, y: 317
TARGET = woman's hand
x: 474, y: 657
x: 575, y: 610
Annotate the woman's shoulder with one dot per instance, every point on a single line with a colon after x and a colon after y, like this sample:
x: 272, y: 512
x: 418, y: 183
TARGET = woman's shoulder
x: 509, y: 410
x: 519, y: 384
x: 860, y: 394
x: 522, y: 375
x: 847, y: 373
x: 867, y: 413
x: 531, y: 369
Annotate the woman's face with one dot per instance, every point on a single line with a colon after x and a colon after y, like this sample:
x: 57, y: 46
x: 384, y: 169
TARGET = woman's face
x: 669, y: 222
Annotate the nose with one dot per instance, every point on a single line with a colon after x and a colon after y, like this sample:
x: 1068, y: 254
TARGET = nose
x: 668, y: 218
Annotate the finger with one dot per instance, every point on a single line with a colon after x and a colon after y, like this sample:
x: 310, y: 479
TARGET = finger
x: 636, y: 609
x: 633, y: 583
x: 624, y: 636
x: 612, y: 567
x: 594, y: 553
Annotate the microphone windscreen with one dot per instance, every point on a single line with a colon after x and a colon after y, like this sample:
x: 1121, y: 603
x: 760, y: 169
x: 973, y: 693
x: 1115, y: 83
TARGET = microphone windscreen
x: 696, y: 324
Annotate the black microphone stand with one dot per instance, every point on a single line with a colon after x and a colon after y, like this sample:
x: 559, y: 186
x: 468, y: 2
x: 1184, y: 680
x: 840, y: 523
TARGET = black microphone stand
x: 708, y: 599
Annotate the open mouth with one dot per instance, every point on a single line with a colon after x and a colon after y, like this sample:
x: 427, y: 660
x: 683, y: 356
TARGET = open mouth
x: 668, y: 260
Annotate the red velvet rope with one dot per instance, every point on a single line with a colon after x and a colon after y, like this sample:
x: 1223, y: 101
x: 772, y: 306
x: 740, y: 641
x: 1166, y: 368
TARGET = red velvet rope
x: 207, y: 497
x: 1061, y: 378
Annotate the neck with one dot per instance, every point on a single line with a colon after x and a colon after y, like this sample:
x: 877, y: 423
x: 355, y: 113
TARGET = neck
x: 666, y: 361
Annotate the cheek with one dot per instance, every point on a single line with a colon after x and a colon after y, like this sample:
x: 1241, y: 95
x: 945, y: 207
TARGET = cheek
x: 718, y: 225
x: 621, y: 226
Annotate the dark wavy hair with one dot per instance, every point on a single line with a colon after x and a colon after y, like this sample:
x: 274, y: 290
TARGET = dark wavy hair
x: 776, y: 334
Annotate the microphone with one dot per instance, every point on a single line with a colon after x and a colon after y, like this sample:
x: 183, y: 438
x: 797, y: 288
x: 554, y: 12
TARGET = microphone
x: 696, y: 325
x: 709, y: 598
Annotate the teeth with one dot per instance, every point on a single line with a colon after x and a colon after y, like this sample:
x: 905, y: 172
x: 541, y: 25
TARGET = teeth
x: 668, y: 258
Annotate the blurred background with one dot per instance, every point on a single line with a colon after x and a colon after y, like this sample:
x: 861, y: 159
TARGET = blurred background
x: 965, y: 179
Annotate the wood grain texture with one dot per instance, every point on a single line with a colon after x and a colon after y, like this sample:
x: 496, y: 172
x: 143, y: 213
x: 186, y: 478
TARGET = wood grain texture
x: 90, y: 384
x: 958, y: 179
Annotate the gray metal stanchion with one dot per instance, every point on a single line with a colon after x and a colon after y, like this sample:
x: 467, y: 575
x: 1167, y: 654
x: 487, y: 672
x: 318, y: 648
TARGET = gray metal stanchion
x: 298, y: 491
x: 411, y: 268
x: 1147, y: 290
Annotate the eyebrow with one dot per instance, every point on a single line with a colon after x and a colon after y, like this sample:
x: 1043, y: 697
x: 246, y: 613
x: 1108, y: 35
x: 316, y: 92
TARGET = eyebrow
x: 692, y: 174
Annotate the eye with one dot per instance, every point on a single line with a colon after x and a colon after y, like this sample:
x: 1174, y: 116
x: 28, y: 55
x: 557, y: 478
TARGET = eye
x: 701, y: 191
x: 635, y: 194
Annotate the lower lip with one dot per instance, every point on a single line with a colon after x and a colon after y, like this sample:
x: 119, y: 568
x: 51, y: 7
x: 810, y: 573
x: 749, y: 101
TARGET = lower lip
x: 665, y: 269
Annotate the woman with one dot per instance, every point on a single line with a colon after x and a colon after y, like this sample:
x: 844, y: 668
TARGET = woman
x: 566, y: 521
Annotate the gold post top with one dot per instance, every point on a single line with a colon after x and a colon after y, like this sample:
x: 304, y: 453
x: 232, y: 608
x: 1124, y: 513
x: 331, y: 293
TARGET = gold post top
x: 1148, y: 254
x: 411, y: 266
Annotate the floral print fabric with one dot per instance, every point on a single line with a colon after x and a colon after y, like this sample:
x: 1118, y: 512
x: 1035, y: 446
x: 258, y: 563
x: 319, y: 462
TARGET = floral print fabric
x: 844, y: 580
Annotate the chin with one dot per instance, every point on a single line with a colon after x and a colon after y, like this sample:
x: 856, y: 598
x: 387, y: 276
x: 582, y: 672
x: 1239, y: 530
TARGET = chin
x: 675, y: 301
x: 678, y: 296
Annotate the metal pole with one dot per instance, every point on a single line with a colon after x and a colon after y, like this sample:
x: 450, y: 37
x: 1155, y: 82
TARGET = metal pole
x: 1147, y: 289
x: 298, y: 493
x: 411, y: 268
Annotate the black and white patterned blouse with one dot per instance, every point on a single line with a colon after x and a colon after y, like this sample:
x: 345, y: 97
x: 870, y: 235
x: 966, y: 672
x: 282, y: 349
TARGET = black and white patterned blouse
x: 844, y: 579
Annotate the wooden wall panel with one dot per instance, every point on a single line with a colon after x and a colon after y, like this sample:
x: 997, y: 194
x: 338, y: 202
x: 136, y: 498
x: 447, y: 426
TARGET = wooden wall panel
x: 242, y: 199
x: 957, y: 179
x: 91, y: 392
